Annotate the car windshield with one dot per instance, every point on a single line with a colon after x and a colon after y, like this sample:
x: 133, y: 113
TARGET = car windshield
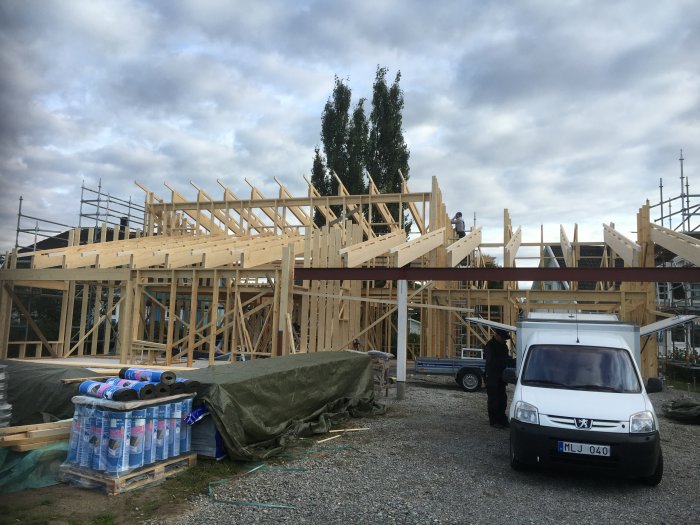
x: 580, y: 368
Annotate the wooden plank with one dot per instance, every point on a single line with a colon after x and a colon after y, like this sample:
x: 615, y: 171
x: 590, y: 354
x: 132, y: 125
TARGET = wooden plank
x: 627, y: 249
x: 683, y: 245
x: 566, y: 248
x: 511, y: 248
x: 457, y: 251
x: 23, y: 439
x: 357, y: 254
x: 411, y: 250
x: 64, y: 423
x: 94, y: 365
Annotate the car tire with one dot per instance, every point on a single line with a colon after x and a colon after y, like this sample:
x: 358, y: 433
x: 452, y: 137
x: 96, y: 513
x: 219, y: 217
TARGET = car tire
x: 469, y: 380
x: 655, y: 478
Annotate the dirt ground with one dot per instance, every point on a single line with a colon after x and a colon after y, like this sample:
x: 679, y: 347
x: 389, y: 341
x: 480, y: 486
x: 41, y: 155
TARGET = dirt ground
x: 64, y: 504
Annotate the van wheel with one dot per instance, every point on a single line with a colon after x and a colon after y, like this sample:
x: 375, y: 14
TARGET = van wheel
x: 655, y: 478
x: 469, y: 380
x: 515, y: 463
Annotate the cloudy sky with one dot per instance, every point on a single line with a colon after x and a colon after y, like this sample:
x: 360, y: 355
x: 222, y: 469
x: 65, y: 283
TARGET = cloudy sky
x: 565, y: 112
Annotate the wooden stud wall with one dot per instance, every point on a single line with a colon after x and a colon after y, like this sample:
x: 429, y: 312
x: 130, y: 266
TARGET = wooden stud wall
x: 213, y: 270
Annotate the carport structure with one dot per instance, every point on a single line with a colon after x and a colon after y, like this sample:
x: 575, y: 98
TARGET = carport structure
x: 237, y: 275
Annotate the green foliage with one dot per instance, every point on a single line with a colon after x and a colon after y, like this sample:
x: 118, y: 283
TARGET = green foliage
x: 388, y: 152
x: 357, y: 150
x: 355, y: 144
x: 104, y: 519
x: 319, y: 179
x: 335, y: 132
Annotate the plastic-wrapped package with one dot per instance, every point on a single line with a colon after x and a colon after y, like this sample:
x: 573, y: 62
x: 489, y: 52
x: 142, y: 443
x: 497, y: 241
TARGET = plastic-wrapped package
x: 115, y: 444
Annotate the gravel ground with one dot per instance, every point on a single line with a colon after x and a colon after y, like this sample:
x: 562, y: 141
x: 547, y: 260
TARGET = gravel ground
x: 433, y: 458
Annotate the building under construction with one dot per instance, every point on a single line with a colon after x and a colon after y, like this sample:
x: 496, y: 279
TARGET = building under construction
x: 174, y: 279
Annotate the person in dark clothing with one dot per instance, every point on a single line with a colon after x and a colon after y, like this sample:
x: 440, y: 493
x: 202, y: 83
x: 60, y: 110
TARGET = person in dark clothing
x: 497, y: 359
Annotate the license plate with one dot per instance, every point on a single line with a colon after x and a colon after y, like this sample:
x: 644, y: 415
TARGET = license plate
x: 583, y: 448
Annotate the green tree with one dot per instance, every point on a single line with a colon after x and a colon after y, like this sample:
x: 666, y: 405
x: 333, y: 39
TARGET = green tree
x: 387, y: 154
x: 319, y: 178
x: 353, y: 144
x: 357, y: 150
x: 334, y: 133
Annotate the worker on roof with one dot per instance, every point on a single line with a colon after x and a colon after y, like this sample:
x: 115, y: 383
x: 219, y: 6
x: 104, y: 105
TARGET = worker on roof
x: 459, y: 224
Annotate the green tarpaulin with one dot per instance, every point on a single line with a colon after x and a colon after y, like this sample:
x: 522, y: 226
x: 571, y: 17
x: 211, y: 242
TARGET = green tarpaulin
x: 258, y: 405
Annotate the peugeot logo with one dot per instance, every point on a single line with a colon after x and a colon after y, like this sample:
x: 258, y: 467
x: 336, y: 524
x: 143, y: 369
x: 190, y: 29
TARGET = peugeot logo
x: 583, y: 422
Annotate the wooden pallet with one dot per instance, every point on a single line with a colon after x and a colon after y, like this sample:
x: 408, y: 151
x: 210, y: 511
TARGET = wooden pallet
x: 128, y: 481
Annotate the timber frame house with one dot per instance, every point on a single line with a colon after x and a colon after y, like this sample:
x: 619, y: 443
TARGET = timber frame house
x: 208, y: 275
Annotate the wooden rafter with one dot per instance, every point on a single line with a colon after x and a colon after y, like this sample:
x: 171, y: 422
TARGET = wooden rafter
x: 354, y: 211
x: 203, y: 221
x: 382, y: 207
x: 297, y: 211
x: 231, y: 201
x: 457, y: 251
x: 271, y: 212
x: 682, y: 245
x: 320, y: 202
x: 411, y: 250
x: 232, y: 224
x: 627, y: 249
x: 417, y: 217
x: 511, y: 248
x: 566, y: 248
x: 360, y: 253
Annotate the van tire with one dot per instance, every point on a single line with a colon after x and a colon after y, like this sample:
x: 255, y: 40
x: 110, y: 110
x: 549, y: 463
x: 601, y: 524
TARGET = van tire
x: 515, y: 463
x: 469, y: 380
x: 655, y: 478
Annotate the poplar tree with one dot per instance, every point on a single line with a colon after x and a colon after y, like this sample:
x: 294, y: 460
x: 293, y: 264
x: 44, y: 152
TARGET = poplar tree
x: 319, y: 178
x: 334, y: 133
x: 357, y: 150
x: 387, y: 150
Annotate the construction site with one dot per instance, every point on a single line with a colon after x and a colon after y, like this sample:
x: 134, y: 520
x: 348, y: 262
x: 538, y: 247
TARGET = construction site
x: 252, y: 300
x: 175, y: 278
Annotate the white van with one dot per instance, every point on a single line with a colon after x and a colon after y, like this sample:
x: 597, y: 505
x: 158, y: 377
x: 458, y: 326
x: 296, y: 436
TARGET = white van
x: 579, y: 397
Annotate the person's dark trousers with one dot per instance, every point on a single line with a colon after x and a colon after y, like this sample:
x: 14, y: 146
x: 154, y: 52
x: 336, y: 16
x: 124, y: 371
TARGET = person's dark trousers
x: 496, y: 403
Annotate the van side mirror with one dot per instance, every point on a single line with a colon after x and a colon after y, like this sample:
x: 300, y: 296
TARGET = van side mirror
x: 654, y: 384
x: 509, y: 376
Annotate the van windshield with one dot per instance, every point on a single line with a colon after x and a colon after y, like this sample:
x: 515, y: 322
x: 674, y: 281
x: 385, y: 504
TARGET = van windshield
x: 581, y: 368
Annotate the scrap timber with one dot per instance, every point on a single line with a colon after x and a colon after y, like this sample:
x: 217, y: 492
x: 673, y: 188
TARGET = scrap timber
x: 232, y: 277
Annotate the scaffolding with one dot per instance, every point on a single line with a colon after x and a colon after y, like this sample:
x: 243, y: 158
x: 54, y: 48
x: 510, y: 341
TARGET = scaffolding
x: 97, y: 210
x: 681, y: 214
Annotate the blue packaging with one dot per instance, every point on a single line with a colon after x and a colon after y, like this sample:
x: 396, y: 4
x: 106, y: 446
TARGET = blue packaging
x: 150, y: 429
x: 75, y: 436
x: 162, y: 432
x: 98, y: 438
x: 85, y: 452
x: 137, y: 438
x: 175, y: 427
x: 118, y: 443
x: 185, y: 430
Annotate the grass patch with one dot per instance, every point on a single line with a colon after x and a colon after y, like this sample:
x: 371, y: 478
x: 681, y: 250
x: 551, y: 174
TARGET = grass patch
x: 104, y: 519
x: 682, y: 386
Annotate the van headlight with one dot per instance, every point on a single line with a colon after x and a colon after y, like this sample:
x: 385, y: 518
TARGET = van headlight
x: 526, y: 413
x: 642, y: 423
